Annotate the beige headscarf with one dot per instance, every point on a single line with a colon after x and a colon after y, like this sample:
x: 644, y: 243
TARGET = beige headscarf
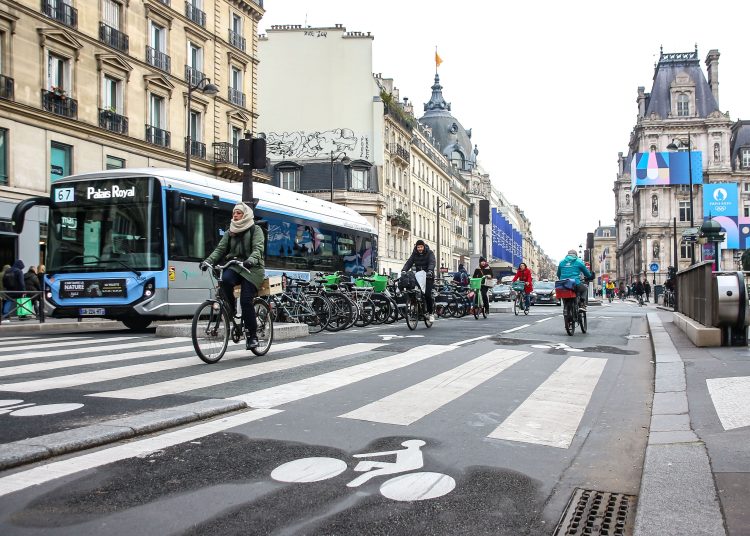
x: 246, y: 222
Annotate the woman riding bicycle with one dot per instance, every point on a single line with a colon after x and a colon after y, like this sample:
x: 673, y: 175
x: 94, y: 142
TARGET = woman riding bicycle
x: 422, y: 258
x: 245, y: 243
x: 484, y: 271
x: 571, y: 267
x: 524, y: 274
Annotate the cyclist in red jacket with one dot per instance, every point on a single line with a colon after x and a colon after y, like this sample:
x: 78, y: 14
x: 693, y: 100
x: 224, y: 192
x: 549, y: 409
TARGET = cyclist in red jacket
x: 524, y: 274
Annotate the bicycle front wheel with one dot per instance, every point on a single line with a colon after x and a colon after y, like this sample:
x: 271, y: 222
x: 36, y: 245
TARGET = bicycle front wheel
x: 412, y: 312
x: 516, y: 307
x: 210, y: 331
x: 265, y: 327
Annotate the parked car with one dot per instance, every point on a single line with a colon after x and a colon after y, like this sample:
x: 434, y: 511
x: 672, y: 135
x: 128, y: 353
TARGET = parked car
x: 501, y: 293
x: 544, y: 292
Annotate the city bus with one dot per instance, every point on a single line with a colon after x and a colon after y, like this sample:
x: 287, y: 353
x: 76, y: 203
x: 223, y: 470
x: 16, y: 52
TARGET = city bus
x: 126, y: 244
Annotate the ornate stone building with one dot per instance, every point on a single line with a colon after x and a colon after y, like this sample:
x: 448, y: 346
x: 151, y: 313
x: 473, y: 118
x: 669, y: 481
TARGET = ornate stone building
x: 87, y: 85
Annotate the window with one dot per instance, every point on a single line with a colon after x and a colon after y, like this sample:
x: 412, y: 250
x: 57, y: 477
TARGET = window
x: 745, y: 159
x: 236, y: 24
x: 236, y: 136
x: 746, y: 210
x: 57, y: 74
x: 3, y: 156
x: 156, y: 111
x: 652, y: 148
x: 289, y: 179
x: 196, y: 134
x: 236, y: 79
x: 60, y: 161
x: 158, y: 37
x: 195, y: 57
x: 111, y: 95
x: 360, y: 179
x: 683, y: 105
x: 684, y: 210
x: 115, y: 163
x: 111, y: 14
x: 746, y: 186
x: 686, y: 251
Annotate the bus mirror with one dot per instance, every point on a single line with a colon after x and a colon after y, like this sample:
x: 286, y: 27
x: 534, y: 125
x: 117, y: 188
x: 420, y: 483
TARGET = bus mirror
x: 179, y: 208
x: 19, y: 213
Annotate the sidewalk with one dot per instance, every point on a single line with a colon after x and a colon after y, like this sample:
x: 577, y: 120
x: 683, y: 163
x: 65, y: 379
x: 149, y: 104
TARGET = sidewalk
x: 696, y: 475
x: 10, y: 328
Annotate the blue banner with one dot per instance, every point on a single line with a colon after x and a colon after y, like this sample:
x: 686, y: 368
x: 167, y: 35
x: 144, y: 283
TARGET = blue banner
x: 507, y: 242
x: 721, y: 204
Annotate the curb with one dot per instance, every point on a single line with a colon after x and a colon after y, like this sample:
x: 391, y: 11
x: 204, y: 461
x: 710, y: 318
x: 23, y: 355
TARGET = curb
x: 281, y: 331
x: 15, y: 327
x: 677, y: 494
x: 38, y: 448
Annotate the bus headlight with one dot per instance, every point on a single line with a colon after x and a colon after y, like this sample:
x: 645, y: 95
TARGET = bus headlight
x: 49, y: 295
x: 148, y: 288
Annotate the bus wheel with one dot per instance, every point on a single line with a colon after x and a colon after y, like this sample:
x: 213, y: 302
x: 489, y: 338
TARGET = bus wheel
x: 136, y: 323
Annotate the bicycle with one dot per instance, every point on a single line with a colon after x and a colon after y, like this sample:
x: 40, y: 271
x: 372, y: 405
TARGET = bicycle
x: 210, y: 330
x: 415, y: 307
x: 519, y: 304
x: 572, y: 314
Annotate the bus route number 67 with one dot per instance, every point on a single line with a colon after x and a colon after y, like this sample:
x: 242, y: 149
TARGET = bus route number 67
x: 64, y: 195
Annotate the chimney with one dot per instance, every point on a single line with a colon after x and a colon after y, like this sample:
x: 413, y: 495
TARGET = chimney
x: 712, y: 64
x: 641, y: 101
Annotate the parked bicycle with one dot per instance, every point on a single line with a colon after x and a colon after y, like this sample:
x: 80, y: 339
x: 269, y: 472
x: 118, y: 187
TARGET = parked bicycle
x: 214, y: 322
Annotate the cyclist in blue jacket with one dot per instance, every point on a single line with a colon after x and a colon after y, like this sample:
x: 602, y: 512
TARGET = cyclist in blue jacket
x: 571, y: 267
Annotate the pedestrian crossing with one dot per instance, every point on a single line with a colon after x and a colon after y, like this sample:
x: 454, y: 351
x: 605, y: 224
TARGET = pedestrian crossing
x: 149, y: 368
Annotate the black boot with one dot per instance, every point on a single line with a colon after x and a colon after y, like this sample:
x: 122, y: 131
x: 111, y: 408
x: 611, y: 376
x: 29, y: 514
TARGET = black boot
x: 251, y: 341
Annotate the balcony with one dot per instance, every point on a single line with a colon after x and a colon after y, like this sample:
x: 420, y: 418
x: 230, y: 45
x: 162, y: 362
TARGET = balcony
x: 195, y: 14
x: 7, y: 87
x: 158, y: 59
x: 113, y: 122
x: 61, y: 12
x: 197, y: 149
x: 400, y: 219
x: 59, y: 104
x: 113, y: 37
x: 236, y: 40
x: 400, y: 151
x: 193, y: 76
x: 157, y: 136
x: 459, y: 231
x: 236, y: 97
x: 225, y: 153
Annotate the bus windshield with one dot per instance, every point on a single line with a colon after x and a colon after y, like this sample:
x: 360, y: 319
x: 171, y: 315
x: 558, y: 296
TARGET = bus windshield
x: 105, y: 225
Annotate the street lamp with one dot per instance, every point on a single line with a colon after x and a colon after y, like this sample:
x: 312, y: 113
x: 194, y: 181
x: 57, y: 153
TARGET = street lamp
x: 345, y: 160
x: 205, y: 86
x: 439, y: 203
x: 672, y: 147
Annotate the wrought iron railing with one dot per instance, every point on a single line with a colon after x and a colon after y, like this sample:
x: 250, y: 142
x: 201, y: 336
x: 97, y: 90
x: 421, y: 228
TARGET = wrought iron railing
x: 225, y: 153
x: 197, y: 149
x: 195, y: 14
x: 160, y: 60
x: 59, y: 104
x: 61, y: 12
x: 113, y: 37
x: 236, y: 40
x: 158, y: 136
x: 193, y: 76
x: 236, y: 97
x: 7, y: 87
x: 400, y: 151
x: 113, y: 121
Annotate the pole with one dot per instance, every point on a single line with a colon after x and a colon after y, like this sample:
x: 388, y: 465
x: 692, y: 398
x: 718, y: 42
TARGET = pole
x: 187, y: 144
x: 331, y: 176
x: 484, y: 240
x: 439, y: 264
x: 690, y: 177
x: 247, y: 177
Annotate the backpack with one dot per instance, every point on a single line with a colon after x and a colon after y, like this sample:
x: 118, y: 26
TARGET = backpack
x: 9, y: 281
x: 464, y: 279
x: 407, y: 281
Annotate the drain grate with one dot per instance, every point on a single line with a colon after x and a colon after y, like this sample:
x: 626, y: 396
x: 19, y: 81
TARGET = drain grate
x: 596, y: 513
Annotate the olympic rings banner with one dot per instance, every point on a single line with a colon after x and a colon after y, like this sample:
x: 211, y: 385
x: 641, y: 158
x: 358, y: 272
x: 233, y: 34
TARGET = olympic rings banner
x: 721, y: 204
x: 665, y: 169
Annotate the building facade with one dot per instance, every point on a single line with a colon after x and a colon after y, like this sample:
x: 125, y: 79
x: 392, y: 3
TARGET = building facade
x: 99, y: 84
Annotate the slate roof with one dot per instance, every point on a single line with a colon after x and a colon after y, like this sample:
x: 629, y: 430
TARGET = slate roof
x: 740, y: 139
x: 669, y: 66
x: 448, y: 133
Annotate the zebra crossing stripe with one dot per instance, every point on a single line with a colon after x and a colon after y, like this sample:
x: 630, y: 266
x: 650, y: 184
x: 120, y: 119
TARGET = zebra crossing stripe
x: 52, y: 471
x: 57, y: 344
x: 290, y: 392
x: 8, y: 341
x: 95, y: 360
x: 553, y: 412
x: 409, y: 405
x: 97, y: 348
x: 209, y: 379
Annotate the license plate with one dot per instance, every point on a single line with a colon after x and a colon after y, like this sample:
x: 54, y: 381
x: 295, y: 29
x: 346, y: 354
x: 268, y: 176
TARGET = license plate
x: 91, y: 311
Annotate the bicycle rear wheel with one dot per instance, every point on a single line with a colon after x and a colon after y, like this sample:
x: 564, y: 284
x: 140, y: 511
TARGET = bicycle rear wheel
x: 210, y: 331
x: 265, y: 327
x: 569, y: 317
x: 582, y: 321
x: 322, y: 309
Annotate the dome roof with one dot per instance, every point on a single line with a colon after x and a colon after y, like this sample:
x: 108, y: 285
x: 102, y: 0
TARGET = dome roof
x: 453, y: 140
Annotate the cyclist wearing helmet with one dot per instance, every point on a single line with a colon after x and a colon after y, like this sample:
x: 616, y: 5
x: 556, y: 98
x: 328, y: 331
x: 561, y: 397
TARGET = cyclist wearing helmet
x: 422, y: 258
x: 571, y: 267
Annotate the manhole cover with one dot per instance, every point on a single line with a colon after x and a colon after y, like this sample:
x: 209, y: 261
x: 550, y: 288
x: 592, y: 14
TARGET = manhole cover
x: 597, y: 513
x: 645, y: 336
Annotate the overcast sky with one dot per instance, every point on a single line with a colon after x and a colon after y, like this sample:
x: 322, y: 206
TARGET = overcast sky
x: 548, y: 87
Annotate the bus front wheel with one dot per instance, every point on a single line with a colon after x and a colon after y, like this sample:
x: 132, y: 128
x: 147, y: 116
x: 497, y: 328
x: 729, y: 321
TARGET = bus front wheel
x: 136, y: 323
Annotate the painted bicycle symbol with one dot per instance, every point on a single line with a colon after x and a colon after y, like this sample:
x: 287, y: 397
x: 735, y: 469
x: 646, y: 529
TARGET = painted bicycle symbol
x: 417, y: 486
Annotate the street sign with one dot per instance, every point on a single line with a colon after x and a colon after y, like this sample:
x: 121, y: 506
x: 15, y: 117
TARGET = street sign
x: 443, y: 270
x: 654, y: 267
x: 690, y: 231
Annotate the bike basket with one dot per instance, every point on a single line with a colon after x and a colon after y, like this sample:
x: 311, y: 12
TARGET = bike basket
x: 518, y: 285
x: 332, y: 279
x: 476, y: 282
x: 563, y: 293
x: 380, y: 283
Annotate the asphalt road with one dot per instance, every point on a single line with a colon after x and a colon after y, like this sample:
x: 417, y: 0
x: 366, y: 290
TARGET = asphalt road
x: 470, y: 427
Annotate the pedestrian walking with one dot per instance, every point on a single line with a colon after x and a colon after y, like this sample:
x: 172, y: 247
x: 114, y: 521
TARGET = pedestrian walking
x: 647, y: 289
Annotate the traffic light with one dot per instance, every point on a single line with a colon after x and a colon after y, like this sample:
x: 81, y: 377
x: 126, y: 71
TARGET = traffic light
x: 252, y: 151
x: 671, y: 272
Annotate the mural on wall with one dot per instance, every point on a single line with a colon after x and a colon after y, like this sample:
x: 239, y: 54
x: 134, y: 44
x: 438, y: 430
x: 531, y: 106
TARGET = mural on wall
x: 301, y: 144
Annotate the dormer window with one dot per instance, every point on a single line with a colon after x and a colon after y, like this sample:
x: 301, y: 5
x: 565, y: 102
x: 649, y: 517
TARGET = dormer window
x: 683, y: 105
x: 745, y: 159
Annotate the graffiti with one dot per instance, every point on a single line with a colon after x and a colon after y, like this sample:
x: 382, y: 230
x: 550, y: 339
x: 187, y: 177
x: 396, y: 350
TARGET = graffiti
x: 310, y: 33
x: 311, y: 145
x: 364, y: 148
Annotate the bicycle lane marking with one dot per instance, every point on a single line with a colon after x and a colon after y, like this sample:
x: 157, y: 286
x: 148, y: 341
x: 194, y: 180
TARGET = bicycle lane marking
x: 516, y: 328
x: 52, y: 471
x: 545, y: 319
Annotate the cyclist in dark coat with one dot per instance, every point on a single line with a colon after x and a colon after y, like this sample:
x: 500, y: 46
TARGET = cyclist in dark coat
x: 422, y: 258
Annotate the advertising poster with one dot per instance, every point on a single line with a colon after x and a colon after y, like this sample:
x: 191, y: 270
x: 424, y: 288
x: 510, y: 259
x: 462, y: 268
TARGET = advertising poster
x: 721, y: 204
x: 666, y: 169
